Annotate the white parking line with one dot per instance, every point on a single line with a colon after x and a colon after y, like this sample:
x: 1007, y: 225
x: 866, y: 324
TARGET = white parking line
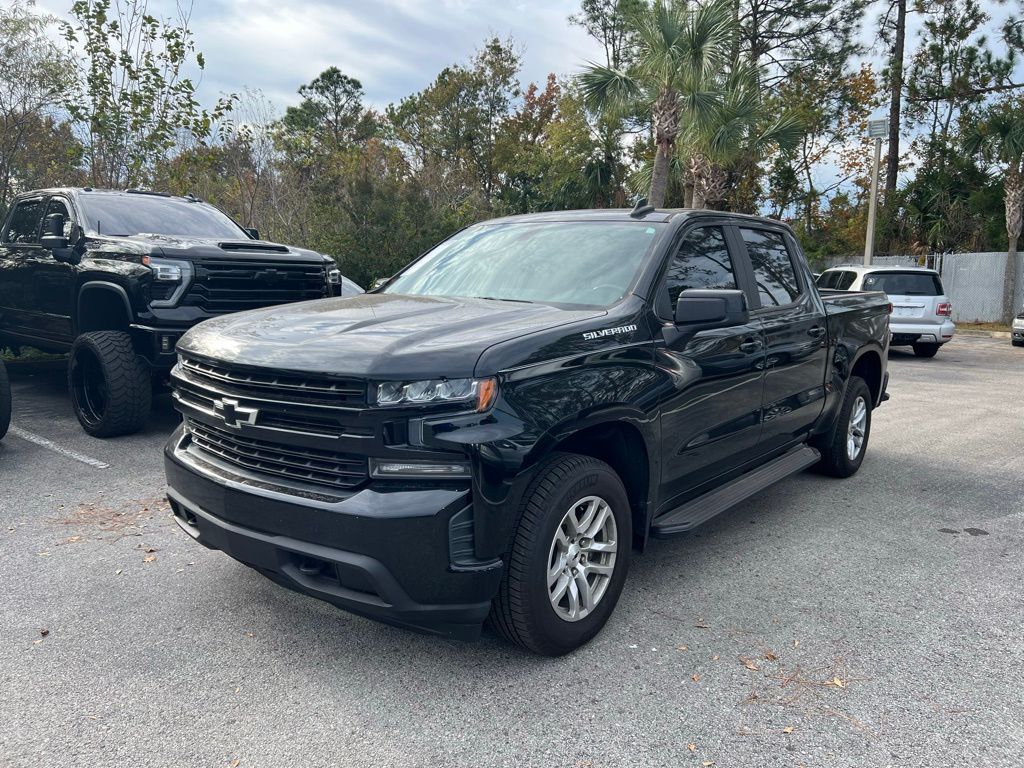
x: 34, y: 438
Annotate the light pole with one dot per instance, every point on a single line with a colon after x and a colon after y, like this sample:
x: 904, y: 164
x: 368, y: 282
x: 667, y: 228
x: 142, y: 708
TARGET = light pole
x: 877, y: 130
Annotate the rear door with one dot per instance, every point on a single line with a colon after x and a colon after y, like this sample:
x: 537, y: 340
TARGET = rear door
x: 19, y: 245
x: 795, y: 332
x: 711, y: 419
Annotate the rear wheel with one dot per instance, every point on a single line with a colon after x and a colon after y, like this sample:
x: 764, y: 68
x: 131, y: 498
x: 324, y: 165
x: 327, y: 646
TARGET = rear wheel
x: 926, y: 350
x: 569, y: 557
x: 843, y: 447
x: 5, y: 400
x: 110, y: 385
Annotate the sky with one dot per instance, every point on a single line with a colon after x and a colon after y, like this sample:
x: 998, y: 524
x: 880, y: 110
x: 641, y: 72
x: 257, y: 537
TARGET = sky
x: 394, y: 47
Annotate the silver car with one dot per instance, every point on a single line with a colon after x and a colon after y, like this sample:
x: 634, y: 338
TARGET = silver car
x: 921, y: 311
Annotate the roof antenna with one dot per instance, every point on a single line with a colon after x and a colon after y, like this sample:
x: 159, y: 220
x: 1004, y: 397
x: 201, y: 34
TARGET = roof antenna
x: 641, y: 209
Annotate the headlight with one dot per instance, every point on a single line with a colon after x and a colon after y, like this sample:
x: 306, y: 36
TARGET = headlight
x: 334, y: 276
x: 479, y: 392
x: 170, y: 279
x: 167, y: 270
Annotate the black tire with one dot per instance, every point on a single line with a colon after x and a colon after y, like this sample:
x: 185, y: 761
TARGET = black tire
x: 5, y: 400
x: 926, y: 350
x: 110, y: 385
x: 523, y: 611
x: 835, y: 456
x: 1017, y: 343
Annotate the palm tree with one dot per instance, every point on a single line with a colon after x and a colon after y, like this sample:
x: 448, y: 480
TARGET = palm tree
x: 999, y: 139
x: 680, y: 49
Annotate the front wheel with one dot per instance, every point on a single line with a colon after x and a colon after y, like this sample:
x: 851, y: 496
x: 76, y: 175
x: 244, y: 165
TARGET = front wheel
x: 5, y: 400
x: 843, y: 447
x: 926, y: 350
x: 110, y: 385
x: 569, y: 557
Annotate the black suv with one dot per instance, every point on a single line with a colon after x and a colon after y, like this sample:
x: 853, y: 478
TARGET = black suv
x: 115, y: 278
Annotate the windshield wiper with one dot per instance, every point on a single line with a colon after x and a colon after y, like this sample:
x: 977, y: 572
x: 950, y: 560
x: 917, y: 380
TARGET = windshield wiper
x: 495, y: 298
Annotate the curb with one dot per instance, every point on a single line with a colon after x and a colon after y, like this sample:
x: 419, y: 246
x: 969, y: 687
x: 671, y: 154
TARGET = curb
x: 983, y: 334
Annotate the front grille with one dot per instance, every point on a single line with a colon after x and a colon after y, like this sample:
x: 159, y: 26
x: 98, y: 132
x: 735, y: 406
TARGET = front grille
x: 304, y: 465
x: 232, y: 286
x: 318, y: 390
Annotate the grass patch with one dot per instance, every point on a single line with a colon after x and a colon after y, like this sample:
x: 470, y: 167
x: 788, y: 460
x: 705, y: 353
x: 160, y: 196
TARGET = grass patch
x: 28, y: 354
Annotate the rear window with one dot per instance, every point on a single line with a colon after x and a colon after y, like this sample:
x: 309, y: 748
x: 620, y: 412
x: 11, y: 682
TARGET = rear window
x: 904, y: 283
x: 838, y: 280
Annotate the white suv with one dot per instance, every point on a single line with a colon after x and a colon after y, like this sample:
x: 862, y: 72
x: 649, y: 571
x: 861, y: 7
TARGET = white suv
x: 921, y: 311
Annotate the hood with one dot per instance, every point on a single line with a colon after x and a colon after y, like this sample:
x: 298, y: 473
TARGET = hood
x: 202, y: 248
x: 374, y: 335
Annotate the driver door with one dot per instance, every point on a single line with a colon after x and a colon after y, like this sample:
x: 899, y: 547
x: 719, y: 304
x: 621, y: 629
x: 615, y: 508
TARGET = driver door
x: 19, y: 246
x: 51, y: 283
x: 711, y: 420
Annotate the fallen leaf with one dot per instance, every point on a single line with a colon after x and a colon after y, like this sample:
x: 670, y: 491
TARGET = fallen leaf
x: 837, y: 682
x: 150, y: 549
x: 117, y: 572
x: 701, y: 624
x: 788, y: 729
x: 37, y: 642
x: 796, y: 643
x: 706, y: 763
x: 769, y: 656
x: 44, y: 632
x: 695, y: 677
x: 715, y: 657
x: 235, y: 763
x: 749, y: 664
x: 149, y: 558
x: 682, y: 648
x: 692, y: 747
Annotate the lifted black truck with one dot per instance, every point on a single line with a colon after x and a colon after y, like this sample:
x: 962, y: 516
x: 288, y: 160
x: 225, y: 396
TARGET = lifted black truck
x: 495, y: 429
x: 115, y: 278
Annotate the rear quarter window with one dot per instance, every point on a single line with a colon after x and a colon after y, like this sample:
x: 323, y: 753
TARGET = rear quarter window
x: 904, y: 283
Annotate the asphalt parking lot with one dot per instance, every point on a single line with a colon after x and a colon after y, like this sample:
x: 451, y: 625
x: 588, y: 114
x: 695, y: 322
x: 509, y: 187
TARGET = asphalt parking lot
x: 876, y: 621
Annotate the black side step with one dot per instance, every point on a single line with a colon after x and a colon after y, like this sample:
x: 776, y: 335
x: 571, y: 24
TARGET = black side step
x: 703, y: 508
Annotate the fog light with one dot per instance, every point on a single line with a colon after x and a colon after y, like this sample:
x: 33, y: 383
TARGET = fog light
x: 167, y: 344
x: 383, y: 468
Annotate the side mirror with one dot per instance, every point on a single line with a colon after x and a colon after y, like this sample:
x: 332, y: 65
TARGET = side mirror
x: 700, y: 308
x: 53, y: 232
x: 253, y: 233
x: 54, y: 240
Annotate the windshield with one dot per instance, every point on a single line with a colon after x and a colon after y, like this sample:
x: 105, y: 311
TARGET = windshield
x: 590, y: 263
x: 125, y: 215
x: 904, y: 283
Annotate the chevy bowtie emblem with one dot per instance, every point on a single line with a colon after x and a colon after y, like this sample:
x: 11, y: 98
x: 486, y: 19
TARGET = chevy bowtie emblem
x: 271, y: 275
x: 234, y: 415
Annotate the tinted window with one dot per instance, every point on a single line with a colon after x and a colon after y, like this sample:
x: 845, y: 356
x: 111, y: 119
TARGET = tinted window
x: 904, y: 283
x: 836, y: 279
x: 845, y: 280
x: 125, y: 215
x: 827, y: 279
x: 24, y: 223
x: 773, y: 269
x: 702, y: 262
x: 589, y: 263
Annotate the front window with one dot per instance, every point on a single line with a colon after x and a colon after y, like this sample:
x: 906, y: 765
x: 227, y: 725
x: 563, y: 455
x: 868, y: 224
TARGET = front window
x: 127, y: 215
x: 23, y: 227
x: 576, y: 263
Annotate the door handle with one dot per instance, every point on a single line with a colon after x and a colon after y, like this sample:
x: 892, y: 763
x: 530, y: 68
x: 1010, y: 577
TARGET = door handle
x: 816, y: 332
x: 750, y: 345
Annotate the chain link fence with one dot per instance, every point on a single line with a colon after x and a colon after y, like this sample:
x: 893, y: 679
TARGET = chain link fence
x: 973, y: 281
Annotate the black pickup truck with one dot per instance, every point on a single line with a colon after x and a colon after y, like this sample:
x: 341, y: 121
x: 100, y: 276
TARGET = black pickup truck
x: 495, y: 429
x: 115, y: 278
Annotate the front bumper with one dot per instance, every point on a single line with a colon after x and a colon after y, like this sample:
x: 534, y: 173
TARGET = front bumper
x: 384, y: 555
x: 924, y: 333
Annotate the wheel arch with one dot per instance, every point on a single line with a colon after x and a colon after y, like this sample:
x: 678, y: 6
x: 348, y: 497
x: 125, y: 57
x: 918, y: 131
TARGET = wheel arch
x: 102, y: 306
x: 624, y: 446
x: 868, y: 366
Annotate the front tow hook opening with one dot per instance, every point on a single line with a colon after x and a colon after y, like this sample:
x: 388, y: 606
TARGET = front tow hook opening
x: 186, y: 520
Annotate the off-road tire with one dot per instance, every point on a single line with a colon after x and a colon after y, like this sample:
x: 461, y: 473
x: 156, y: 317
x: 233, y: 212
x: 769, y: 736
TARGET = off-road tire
x: 5, y: 400
x: 926, y: 350
x: 110, y: 385
x: 835, y: 459
x: 522, y: 611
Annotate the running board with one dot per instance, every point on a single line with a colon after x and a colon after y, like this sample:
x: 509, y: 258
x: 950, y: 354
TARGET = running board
x: 703, y: 508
